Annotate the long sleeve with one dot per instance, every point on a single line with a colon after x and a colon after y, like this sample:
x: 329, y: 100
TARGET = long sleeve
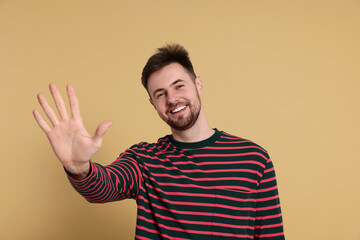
x: 268, y: 220
x: 114, y: 182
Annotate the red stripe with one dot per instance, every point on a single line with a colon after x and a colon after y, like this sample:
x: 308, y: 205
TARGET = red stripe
x: 219, y: 163
x: 196, y: 222
x: 222, y: 148
x: 218, y: 155
x: 181, y: 203
x: 269, y: 235
x: 208, y: 233
x: 267, y: 199
x: 230, y: 135
x: 141, y: 237
x: 267, y: 189
x: 160, y: 233
x: 268, y: 208
x: 198, y: 213
x: 268, y: 217
x: 204, y: 179
x: 268, y: 180
x: 269, y: 226
x: 203, y: 171
x: 199, y: 195
x: 199, y: 186
x: 245, y: 141
x: 233, y: 137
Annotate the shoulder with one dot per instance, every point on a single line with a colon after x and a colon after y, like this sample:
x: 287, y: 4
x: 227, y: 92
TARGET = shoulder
x: 233, y: 140
x: 146, y: 147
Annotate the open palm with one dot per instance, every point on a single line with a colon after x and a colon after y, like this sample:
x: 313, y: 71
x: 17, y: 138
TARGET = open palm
x: 71, y: 142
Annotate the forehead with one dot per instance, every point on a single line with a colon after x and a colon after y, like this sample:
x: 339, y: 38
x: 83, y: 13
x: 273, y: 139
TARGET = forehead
x: 167, y: 75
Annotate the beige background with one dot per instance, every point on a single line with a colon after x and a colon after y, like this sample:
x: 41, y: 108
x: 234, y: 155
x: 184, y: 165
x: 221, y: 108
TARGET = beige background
x: 284, y: 74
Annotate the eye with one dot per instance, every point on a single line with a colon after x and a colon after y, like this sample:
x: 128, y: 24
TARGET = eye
x: 159, y: 95
x: 180, y: 86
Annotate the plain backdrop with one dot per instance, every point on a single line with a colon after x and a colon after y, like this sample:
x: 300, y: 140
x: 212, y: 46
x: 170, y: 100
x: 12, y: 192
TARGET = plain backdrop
x: 284, y: 74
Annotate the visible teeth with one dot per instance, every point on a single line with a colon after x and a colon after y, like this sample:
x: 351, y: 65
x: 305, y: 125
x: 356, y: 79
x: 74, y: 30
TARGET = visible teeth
x: 178, y: 109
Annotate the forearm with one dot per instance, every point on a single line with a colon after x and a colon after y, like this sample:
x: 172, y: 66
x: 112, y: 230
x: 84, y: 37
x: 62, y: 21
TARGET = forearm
x: 107, y: 184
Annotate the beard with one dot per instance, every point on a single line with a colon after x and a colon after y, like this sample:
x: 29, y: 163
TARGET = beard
x: 185, y: 122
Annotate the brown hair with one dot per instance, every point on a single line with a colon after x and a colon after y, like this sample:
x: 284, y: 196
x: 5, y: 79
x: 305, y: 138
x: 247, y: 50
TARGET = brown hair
x: 170, y: 53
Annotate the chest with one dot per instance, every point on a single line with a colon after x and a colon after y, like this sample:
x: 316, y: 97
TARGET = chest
x: 208, y: 170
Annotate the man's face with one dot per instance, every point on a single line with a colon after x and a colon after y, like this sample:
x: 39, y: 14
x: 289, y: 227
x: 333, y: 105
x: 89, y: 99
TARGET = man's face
x: 175, y: 96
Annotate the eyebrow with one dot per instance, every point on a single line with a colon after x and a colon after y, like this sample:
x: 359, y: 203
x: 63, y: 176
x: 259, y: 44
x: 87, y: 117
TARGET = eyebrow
x: 171, y: 84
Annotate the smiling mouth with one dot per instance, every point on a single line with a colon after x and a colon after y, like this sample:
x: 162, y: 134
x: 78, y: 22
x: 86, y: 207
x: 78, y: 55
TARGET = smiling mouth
x: 178, y: 109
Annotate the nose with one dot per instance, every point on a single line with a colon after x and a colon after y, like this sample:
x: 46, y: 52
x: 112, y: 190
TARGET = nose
x: 172, y: 98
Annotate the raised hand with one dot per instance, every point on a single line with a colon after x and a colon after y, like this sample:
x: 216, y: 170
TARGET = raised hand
x: 71, y: 142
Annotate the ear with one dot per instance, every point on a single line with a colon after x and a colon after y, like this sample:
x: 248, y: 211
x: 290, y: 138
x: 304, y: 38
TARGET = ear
x: 199, y: 84
x: 152, y: 103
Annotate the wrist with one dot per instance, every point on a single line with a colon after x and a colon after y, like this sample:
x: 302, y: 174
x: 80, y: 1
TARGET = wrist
x: 78, y: 172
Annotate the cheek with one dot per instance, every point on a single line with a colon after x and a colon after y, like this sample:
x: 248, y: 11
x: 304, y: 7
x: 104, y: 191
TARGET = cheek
x: 160, y: 107
x: 193, y: 96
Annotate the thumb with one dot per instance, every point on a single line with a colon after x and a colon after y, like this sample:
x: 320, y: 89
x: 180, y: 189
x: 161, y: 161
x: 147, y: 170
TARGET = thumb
x: 101, y: 129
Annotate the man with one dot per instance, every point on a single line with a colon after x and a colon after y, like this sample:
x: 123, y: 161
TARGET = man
x: 197, y: 183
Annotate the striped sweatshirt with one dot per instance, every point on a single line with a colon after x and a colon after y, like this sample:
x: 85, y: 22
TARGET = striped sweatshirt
x: 223, y: 187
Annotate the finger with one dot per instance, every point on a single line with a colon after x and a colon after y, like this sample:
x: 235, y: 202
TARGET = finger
x: 43, y: 125
x: 47, y: 109
x: 59, y: 102
x: 74, y: 103
x: 101, y: 129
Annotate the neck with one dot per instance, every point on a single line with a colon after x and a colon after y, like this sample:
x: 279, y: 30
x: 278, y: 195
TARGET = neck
x: 201, y: 130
